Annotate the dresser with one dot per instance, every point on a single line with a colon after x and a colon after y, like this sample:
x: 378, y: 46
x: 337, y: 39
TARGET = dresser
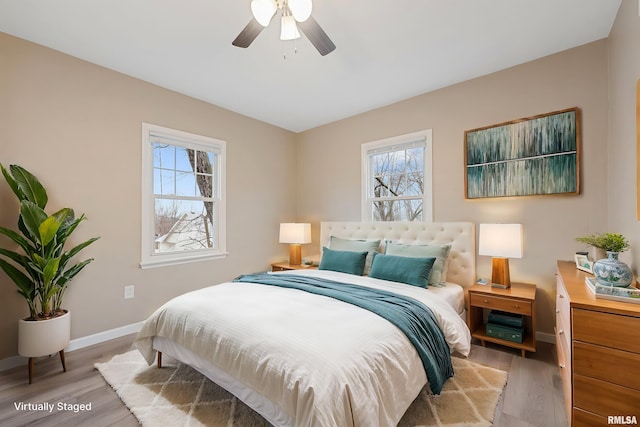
x: 598, y: 345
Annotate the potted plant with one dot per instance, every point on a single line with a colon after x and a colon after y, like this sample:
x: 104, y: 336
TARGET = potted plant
x: 41, y: 268
x: 610, y: 271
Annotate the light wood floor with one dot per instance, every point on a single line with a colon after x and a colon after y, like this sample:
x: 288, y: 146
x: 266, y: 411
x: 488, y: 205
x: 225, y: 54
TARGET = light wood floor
x: 533, y: 396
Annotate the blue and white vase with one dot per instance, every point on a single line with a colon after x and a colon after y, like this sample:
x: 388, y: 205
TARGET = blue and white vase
x: 611, y: 272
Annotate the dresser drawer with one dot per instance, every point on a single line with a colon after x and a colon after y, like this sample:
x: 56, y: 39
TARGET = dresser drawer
x: 608, y: 364
x: 604, y: 398
x: 587, y: 419
x: 610, y: 330
x: 505, y: 304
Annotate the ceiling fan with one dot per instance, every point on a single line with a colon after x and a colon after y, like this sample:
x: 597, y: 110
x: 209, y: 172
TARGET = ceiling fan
x: 295, y: 13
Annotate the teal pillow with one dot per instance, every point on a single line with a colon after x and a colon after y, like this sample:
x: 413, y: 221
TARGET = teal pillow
x: 440, y: 252
x: 343, y: 261
x: 354, y: 245
x: 409, y: 270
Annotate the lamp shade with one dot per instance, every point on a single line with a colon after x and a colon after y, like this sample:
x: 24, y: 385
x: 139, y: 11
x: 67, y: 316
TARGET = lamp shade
x: 300, y: 9
x: 293, y: 232
x: 500, y: 240
x: 289, y: 29
x: 263, y: 10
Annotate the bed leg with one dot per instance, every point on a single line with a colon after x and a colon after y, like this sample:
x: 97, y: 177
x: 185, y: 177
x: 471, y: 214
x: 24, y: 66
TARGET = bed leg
x: 159, y: 359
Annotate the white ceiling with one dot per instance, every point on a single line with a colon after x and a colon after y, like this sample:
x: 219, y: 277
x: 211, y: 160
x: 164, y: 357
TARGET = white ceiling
x: 386, y: 50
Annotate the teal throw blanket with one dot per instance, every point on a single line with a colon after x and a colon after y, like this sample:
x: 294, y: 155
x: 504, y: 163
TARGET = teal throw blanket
x: 412, y: 317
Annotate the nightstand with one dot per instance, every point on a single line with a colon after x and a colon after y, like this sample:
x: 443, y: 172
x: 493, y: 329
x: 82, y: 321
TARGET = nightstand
x: 520, y: 298
x: 284, y: 266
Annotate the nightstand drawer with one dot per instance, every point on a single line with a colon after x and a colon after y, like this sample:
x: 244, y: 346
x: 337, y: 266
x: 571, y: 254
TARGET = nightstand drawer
x: 610, y: 330
x: 498, y: 303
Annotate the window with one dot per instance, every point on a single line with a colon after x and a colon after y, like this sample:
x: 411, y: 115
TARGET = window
x: 183, y: 190
x: 396, y: 178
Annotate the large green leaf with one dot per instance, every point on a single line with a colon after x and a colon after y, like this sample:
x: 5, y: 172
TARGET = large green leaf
x: 21, y: 241
x: 26, y: 286
x: 73, y: 271
x: 74, y: 251
x: 50, y: 270
x: 29, y: 185
x: 12, y: 183
x: 32, y: 216
x: 48, y: 229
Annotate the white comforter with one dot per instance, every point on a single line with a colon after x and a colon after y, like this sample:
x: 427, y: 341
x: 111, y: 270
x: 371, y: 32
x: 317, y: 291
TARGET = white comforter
x: 322, y: 361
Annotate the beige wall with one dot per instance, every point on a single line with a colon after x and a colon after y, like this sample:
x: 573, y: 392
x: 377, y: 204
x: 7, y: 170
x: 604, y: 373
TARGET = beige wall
x: 329, y: 158
x: 77, y: 127
x: 624, y: 72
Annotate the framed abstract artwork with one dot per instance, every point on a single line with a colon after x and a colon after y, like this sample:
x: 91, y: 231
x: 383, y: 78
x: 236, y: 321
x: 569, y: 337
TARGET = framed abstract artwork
x: 525, y: 157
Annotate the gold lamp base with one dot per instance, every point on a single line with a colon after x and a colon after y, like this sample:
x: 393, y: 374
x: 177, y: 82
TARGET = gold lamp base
x: 295, y: 254
x: 500, y: 273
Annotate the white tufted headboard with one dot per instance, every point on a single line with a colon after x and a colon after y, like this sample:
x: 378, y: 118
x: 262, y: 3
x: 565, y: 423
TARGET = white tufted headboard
x: 461, y: 236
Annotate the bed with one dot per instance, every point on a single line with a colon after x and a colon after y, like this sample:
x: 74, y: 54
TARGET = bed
x: 302, y: 359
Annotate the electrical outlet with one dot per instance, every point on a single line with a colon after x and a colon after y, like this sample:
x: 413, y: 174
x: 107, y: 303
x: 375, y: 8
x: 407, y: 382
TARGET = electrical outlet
x: 129, y: 292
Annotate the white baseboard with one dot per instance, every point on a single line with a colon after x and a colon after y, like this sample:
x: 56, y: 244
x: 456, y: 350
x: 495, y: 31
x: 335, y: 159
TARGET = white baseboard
x: 78, y: 343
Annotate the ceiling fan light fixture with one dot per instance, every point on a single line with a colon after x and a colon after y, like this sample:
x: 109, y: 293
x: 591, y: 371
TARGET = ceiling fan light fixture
x: 288, y: 28
x: 300, y: 9
x: 263, y: 10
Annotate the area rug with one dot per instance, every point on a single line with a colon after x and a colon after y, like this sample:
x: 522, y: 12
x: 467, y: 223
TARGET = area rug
x: 178, y: 395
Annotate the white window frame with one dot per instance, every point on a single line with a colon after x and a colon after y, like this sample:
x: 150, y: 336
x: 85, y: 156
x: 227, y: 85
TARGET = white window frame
x: 149, y: 259
x: 390, y: 143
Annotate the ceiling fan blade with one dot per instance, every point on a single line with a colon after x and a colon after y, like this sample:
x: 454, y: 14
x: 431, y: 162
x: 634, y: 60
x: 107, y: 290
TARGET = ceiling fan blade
x: 317, y: 36
x: 248, y: 34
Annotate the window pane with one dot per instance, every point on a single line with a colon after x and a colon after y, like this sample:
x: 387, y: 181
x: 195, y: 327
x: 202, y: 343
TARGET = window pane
x: 164, y: 181
x: 163, y: 156
x: 204, y: 186
x: 204, y: 162
x: 397, y: 184
x: 185, y: 184
x: 398, y: 210
x: 381, y: 186
x: 415, y: 184
x: 380, y: 163
x: 183, y: 225
x: 415, y: 159
x: 397, y: 160
x: 184, y: 158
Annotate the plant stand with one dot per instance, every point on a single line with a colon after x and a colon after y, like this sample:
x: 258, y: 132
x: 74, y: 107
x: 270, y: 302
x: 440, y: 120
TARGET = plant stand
x: 44, y: 338
x: 31, y: 365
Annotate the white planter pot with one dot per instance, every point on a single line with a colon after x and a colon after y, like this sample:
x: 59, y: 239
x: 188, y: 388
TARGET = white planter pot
x: 44, y: 337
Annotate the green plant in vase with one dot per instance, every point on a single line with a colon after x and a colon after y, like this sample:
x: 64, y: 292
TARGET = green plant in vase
x: 610, y: 271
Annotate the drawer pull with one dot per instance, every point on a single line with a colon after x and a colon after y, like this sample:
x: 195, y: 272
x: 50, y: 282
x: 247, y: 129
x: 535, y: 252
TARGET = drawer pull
x: 560, y: 296
x: 561, y: 331
x: 516, y: 306
x: 486, y: 301
x: 557, y: 311
x: 562, y: 365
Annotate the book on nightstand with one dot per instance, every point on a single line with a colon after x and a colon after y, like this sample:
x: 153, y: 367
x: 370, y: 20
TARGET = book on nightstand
x: 507, y: 319
x: 630, y: 294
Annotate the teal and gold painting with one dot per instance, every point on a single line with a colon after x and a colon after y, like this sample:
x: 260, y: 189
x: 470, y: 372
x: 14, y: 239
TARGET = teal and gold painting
x: 531, y: 156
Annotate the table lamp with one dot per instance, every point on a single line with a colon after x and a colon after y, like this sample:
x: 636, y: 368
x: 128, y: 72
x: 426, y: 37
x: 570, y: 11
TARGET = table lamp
x: 501, y: 241
x: 296, y: 234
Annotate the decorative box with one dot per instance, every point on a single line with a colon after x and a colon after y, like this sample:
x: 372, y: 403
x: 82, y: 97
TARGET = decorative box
x: 505, y: 332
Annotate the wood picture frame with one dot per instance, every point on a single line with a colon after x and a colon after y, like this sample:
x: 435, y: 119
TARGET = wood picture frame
x: 537, y: 155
